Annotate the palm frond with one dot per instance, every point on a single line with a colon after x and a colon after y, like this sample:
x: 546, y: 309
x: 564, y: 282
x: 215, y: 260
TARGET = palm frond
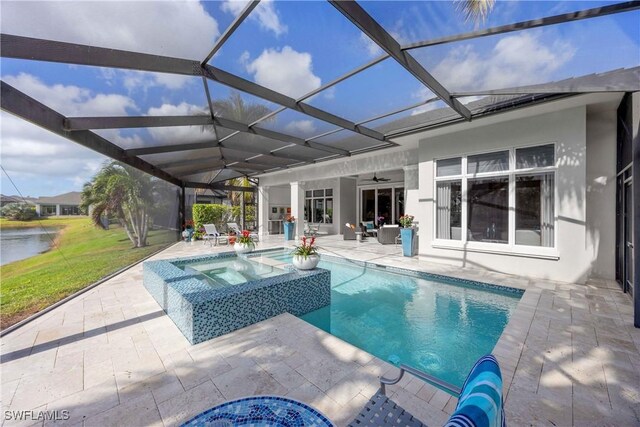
x: 475, y: 10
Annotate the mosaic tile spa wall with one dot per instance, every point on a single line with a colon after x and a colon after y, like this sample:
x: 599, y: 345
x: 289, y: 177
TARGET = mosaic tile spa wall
x: 202, y: 312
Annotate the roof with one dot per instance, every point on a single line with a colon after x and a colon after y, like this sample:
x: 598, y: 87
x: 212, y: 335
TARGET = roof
x: 71, y: 198
x: 16, y: 199
x: 260, y: 125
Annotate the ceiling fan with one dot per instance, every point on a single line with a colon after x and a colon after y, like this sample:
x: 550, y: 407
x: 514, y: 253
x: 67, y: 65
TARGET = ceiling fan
x: 376, y: 179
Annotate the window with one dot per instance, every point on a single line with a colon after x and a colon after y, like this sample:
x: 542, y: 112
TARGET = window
x: 382, y: 204
x: 70, y: 210
x: 449, y: 210
x: 535, y: 210
x: 449, y: 167
x: 48, y: 210
x: 476, y: 189
x: 492, y: 162
x: 318, y: 207
x: 488, y: 210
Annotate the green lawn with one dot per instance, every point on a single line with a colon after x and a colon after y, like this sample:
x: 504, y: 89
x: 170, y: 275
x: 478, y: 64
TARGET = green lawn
x: 86, y: 254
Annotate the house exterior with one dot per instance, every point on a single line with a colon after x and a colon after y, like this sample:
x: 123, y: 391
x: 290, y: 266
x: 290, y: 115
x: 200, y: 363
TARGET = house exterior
x: 62, y: 204
x: 530, y: 192
x: 7, y: 200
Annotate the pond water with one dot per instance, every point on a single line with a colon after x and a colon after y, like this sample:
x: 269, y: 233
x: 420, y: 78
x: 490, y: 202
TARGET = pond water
x: 22, y: 243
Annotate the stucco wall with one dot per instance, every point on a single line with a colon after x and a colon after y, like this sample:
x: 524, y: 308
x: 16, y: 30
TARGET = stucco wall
x: 601, y: 191
x: 348, y: 196
x: 577, y: 254
x: 389, y: 159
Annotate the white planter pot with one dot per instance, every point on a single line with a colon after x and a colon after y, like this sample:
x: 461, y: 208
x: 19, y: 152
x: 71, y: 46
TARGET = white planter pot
x: 242, y: 248
x: 308, y: 263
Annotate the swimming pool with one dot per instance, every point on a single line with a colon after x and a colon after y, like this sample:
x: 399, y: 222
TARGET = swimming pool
x: 436, y: 324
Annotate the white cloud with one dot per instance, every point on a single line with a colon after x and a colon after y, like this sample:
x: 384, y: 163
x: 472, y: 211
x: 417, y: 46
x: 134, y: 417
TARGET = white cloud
x: 173, y: 28
x: 42, y: 163
x: 142, y: 80
x: 329, y: 93
x: 286, y: 71
x: 72, y: 100
x: 265, y: 14
x: 424, y: 108
x: 297, y: 127
x: 373, y: 50
x: 178, y: 134
x: 514, y: 61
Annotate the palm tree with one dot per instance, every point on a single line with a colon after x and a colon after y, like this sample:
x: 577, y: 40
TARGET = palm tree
x: 124, y: 192
x: 235, y: 108
x: 475, y: 10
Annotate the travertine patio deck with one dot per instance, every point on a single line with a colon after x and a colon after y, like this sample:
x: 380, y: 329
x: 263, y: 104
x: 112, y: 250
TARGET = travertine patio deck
x: 569, y: 355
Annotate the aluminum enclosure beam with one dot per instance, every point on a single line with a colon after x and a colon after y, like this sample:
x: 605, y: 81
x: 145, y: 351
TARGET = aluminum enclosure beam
x: 78, y: 123
x: 122, y: 122
x: 320, y: 89
x: 203, y: 145
x: 356, y: 14
x: 216, y: 186
x: 27, y: 108
x: 252, y: 88
x: 20, y: 47
x: 143, y: 151
x: 534, y: 23
x: 53, y: 51
x: 231, y: 29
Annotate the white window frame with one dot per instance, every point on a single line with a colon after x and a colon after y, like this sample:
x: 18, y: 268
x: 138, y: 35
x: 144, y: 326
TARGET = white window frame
x: 324, y: 198
x: 510, y: 247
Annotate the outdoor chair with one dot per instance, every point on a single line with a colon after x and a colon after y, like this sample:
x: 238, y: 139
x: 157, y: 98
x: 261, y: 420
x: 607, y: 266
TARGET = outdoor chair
x: 212, y: 236
x: 350, y: 231
x: 232, y: 226
x: 480, y: 400
x: 387, y: 234
x: 313, y: 230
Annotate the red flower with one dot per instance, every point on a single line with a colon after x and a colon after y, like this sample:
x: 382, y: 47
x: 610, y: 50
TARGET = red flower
x: 313, y: 240
x: 245, y: 233
x: 304, y: 241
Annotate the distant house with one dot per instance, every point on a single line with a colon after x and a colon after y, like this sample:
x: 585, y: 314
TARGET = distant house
x: 6, y: 200
x: 62, y: 204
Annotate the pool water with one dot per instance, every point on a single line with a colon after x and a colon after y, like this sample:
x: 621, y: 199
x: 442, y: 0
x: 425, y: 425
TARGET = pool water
x: 439, y: 327
x: 233, y: 271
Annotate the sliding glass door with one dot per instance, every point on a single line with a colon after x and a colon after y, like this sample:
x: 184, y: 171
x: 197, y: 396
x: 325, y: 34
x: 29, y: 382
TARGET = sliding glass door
x: 382, y: 205
x: 368, y: 205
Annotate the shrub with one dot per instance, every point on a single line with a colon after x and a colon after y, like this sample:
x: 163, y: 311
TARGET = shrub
x: 210, y: 214
x: 19, y: 212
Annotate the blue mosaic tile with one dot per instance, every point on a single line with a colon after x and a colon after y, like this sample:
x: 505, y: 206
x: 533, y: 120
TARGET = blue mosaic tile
x: 201, y: 312
x: 261, y: 411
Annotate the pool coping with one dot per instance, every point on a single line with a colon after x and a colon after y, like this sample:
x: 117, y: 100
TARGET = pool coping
x: 450, y: 280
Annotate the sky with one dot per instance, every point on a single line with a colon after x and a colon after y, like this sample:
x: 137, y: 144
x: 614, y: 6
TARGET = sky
x: 290, y: 46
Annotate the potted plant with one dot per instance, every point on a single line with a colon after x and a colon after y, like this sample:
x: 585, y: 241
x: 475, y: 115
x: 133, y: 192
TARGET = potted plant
x: 243, y: 243
x: 305, y: 256
x: 289, y: 227
x: 407, y: 233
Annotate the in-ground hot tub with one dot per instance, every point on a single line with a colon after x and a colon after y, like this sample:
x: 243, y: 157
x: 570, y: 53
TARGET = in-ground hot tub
x: 211, y: 295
